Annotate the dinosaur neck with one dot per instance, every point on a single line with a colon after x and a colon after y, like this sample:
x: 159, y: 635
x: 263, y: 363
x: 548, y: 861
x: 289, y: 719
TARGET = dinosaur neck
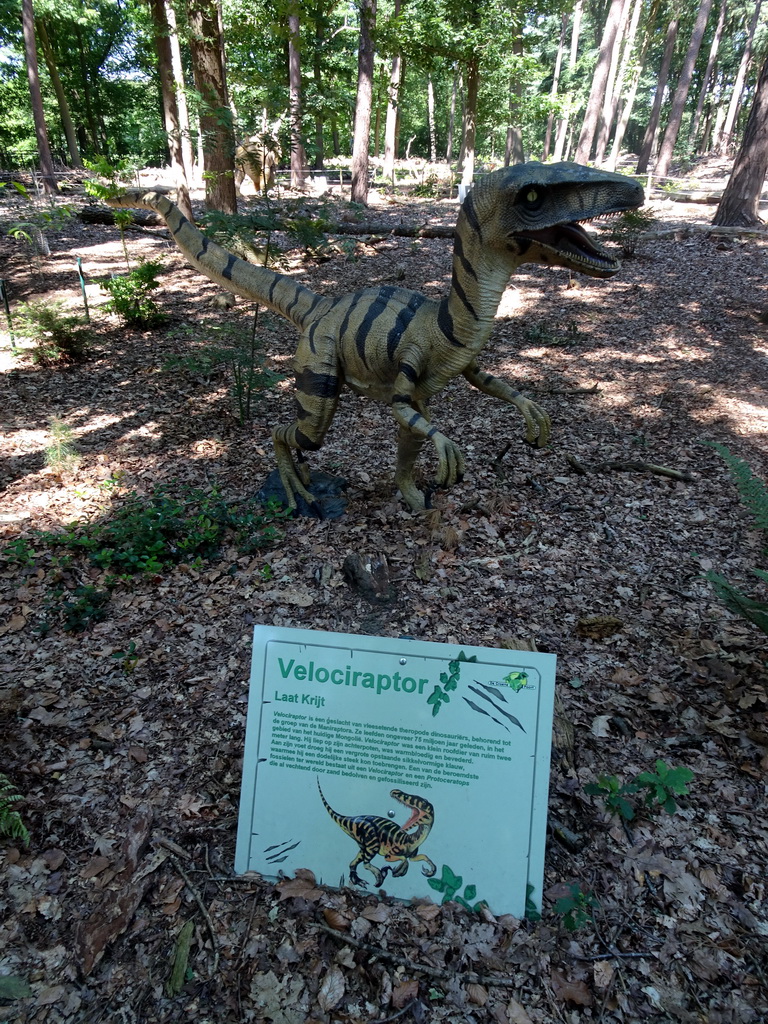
x: 478, y: 283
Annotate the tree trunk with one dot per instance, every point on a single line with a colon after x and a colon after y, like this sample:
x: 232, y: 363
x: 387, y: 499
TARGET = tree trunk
x: 649, y: 142
x: 739, y: 204
x: 681, y: 92
x: 704, y: 91
x: 431, y: 120
x: 599, y: 82
x: 626, y: 109
x: 162, y: 33
x: 562, y: 126
x: 187, y: 151
x: 36, y: 97
x: 555, y: 85
x: 513, y: 149
x: 725, y: 141
x: 470, y: 122
x: 61, y: 98
x: 612, y: 87
x: 218, y: 139
x: 298, y: 156
x: 455, y: 87
x: 616, y: 90
x: 318, y: 163
x: 390, y: 141
x: 362, y: 128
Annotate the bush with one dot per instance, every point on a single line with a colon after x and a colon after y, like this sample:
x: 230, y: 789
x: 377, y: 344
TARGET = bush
x: 57, y: 337
x: 130, y: 296
x: 627, y: 229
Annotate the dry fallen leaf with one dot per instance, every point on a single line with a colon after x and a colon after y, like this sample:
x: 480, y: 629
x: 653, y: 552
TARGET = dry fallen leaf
x: 516, y: 1013
x: 331, y: 990
x: 404, y: 993
x: 570, y: 991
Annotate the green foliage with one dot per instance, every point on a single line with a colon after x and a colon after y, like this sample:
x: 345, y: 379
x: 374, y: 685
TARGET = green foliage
x: 151, y: 534
x: 57, y: 337
x: 242, y: 353
x: 626, y: 229
x: 130, y: 296
x: 754, y: 495
x: 553, y: 336
x: 434, y: 186
x: 61, y: 455
x: 128, y: 658
x: 449, y: 885
x: 576, y: 908
x: 82, y: 607
x: 660, y: 789
x: 10, y: 820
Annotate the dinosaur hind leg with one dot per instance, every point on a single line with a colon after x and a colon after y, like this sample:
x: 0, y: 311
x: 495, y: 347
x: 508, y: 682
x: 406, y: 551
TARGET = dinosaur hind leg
x: 318, y: 384
x: 409, y: 446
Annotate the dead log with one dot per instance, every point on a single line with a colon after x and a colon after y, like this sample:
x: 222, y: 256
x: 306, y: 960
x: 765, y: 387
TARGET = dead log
x: 103, y: 215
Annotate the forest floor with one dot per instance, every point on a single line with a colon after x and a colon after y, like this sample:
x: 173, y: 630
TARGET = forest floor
x: 125, y: 738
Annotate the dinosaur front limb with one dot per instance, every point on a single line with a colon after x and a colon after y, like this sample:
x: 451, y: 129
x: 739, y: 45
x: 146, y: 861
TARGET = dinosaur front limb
x: 415, y: 429
x: 537, y: 421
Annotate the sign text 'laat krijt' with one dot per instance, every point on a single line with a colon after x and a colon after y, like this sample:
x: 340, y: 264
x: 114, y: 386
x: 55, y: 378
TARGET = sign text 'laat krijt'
x: 415, y: 766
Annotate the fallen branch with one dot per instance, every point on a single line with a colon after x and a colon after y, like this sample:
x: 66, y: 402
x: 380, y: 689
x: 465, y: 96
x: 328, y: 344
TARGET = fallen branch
x: 628, y: 466
x: 196, y: 896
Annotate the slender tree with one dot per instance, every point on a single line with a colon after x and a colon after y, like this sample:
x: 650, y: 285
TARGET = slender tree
x: 649, y: 142
x: 681, y: 92
x: 298, y: 156
x: 390, y: 125
x: 36, y: 97
x: 61, y: 96
x: 217, y: 134
x: 162, y: 34
x: 708, y: 72
x: 555, y: 84
x: 562, y: 125
x: 725, y: 140
x: 599, y: 82
x: 362, y: 128
x: 739, y: 203
x: 187, y: 151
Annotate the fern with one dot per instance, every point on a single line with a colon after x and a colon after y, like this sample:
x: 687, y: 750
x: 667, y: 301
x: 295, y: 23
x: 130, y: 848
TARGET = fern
x: 752, y: 490
x: 754, y: 495
x: 10, y: 820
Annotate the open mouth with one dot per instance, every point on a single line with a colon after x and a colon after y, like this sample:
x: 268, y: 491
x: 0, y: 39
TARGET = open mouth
x: 572, y: 240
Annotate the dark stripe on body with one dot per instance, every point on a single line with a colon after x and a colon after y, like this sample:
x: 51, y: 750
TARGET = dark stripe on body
x: 203, y: 248
x: 458, y: 252
x: 410, y: 372
x: 175, y: 214
x: 227, y: 271
x: 402, y: 322
x: 345, y: 322
x: 318, y: 385
x: 306, y: 442
x: 462, y: 295
x: 376, y: 309
x: 445, y: 323
x: 471, y: 214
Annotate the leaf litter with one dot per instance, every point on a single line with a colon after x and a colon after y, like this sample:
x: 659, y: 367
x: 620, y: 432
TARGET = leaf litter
x: 125, y: 739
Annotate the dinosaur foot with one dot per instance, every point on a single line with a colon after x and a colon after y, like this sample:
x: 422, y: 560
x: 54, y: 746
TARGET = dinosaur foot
x: 329, y: 501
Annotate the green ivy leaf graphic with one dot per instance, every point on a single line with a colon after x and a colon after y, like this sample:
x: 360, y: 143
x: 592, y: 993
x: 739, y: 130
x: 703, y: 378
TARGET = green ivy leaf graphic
x: 516, y: 680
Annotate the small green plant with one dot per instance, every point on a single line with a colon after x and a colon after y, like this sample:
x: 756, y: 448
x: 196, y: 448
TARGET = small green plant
x: 754, y: 495
x: 627, y: 230
x: 127, y: 658
x: 576, y: 908
x: 56, y: 336
x: 552, y: 336
x: 87, y: 605
x: 10, y: 820
x: 19, y: 552
x: 433, y: 187
x: 661, y: 787
x: 130, y: 296
x: 151, y: 534
x: 61, y: 455
x: 449, y: 885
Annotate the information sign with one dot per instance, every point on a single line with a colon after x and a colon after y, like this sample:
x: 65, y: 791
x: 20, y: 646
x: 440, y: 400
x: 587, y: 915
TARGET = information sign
x: 421, y: 768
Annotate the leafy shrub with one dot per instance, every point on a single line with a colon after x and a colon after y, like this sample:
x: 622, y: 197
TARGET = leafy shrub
x: 10, y: 820
x: 57, y: 337
x: 627, y: 229
x: 576, y: 908
x: 152, y: 534
x: 130, y: 296
x: 660, y: 789
x: 754, y: 496
x: 433, y: 187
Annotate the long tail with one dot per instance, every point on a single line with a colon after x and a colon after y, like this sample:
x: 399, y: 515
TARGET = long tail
x: 280, y: 293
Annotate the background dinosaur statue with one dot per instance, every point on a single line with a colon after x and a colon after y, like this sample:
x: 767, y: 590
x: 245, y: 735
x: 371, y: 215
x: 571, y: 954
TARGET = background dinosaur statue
x: 398, y: 346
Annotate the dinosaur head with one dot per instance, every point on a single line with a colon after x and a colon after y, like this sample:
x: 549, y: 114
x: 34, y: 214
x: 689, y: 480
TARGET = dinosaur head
x: 533, y: 213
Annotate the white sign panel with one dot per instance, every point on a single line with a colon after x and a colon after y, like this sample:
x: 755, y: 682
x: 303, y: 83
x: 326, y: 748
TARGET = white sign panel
x: 420, y: 768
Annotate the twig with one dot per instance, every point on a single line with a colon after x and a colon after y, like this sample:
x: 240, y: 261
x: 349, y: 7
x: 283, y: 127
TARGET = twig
x: 400, y: 1013
x: 644, y: 467
x: 203, y: 910
x: 594, y: 390
x: 463, y: 977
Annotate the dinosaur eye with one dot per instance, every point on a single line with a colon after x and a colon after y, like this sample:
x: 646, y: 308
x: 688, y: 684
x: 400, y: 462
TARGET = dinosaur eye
x: 532, y: 196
